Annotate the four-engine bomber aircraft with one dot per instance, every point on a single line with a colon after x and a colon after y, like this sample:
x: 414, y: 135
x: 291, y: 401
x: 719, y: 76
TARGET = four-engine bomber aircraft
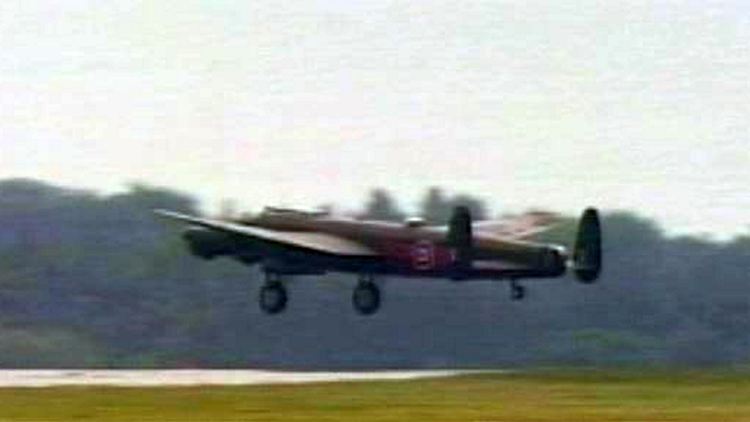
x: 290, y: 242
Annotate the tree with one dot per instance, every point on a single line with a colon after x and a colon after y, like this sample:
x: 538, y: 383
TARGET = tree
x: 435, y: 208
x: 476, y: 206
x: 94, y: 280
x: 381, y: 206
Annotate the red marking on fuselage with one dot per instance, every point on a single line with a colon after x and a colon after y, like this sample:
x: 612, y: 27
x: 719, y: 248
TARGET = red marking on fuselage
x: 421, y: 255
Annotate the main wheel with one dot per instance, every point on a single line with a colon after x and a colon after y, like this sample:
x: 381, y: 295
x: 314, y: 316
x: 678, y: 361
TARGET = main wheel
x: 273, y: 298
x: 366, y: 298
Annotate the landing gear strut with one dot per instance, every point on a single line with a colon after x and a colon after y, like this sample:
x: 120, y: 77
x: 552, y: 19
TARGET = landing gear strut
x: 517, y: 291
x: 366, y: 297
x: 273, y: 296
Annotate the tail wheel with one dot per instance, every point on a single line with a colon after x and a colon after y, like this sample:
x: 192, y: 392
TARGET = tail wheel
x: 273, y: 298
x: 517, y: 291
x: 366, y: 298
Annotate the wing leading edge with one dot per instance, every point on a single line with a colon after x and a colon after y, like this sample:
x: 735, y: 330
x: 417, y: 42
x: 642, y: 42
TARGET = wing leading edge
x: 318, y: 242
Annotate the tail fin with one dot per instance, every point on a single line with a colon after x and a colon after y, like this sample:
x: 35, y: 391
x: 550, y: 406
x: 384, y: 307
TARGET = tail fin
x: 587, y: 255
x: 460, y: 238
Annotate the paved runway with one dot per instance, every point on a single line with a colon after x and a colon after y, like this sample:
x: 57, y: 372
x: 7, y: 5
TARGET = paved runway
x: 158, y: 378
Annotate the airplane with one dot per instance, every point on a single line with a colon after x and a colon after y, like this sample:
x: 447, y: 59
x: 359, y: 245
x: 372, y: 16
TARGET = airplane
x: 288, y: 242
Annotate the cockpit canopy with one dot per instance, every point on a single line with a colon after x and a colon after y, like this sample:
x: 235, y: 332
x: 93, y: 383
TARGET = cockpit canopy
x: 294, y: 212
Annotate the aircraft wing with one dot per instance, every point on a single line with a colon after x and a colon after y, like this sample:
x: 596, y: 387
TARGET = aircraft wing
x: 318, y: 242
x: 521, y: 227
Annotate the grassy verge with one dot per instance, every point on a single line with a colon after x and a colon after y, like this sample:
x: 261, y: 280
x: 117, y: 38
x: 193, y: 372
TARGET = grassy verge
x: 550, y: 395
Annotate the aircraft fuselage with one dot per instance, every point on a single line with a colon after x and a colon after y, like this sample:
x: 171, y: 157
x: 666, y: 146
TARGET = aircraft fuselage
x: 401, y: 250
x: 296, y: 243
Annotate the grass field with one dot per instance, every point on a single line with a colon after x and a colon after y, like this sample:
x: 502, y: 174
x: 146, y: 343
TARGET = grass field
x: 559, y: 395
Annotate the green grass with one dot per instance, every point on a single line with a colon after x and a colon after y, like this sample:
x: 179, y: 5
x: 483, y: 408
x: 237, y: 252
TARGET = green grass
x: 559, y: 395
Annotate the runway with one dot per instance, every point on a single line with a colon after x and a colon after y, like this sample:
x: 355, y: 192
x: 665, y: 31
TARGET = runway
x: 162, y: 378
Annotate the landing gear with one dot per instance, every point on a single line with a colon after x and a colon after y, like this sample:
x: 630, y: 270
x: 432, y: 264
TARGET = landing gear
x: 273, y: 296
x: 517, y: 291
x: 366, y: 297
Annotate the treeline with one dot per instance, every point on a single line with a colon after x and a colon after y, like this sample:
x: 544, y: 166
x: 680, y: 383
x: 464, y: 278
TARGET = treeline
x: 97, y: 281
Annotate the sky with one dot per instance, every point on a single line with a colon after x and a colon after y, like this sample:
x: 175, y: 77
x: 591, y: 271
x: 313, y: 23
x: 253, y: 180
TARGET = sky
x: 634, y: 105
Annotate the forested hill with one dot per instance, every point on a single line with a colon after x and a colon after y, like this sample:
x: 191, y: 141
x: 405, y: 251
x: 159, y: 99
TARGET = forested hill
x: 97, y: 281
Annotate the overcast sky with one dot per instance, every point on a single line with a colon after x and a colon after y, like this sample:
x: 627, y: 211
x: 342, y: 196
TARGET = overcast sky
x: 624, y: 105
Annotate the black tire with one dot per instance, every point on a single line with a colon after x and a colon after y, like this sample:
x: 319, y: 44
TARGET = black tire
x: 366, y: 298
x: 273, y: 298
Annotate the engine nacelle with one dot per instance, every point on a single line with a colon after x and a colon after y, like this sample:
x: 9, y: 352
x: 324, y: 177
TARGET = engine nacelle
x: 207, y: 244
